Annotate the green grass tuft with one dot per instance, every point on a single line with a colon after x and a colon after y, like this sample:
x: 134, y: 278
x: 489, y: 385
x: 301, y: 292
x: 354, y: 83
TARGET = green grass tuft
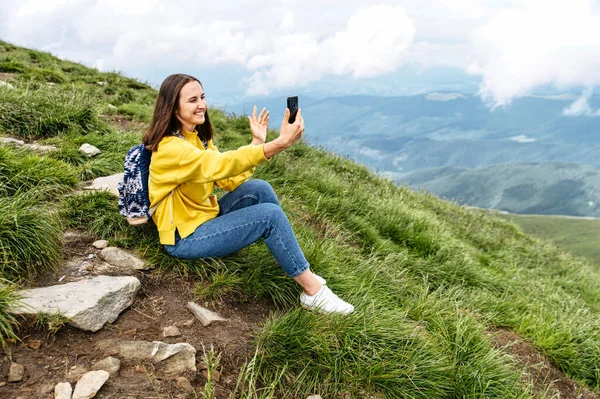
x: 30, y: 237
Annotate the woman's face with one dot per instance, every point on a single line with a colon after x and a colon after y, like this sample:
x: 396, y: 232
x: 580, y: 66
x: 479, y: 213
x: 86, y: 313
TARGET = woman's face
x: 192, y: 105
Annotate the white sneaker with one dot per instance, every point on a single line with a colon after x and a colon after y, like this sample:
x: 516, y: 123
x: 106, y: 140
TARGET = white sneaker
x: 320, y: 279
x: 325, y: 301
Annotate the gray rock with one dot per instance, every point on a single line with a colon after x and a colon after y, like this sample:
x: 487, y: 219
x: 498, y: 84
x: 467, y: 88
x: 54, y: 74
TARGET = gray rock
x: 205, y: 316
x: 7, y: 85
x: 40, y: 148
x: 171, y: 331
x: 119, y: 257
x: 16, y: 372
x: 47, y: 389
x: 89, y: 384
x: 176, y: 358
x: 10, y: 140
x: 110, y: 364
x: 107, y: 183
x: 185, y: 385
x: 100, y: 244
x: 89, y: 150
x: 63, y: 390
x: 88, y: 304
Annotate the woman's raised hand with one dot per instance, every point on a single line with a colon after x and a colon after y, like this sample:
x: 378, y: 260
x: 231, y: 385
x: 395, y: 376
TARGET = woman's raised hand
x: 258, y: 125
x: 291, y: 132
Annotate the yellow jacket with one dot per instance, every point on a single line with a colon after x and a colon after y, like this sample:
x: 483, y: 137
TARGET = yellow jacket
x: 183, y: 175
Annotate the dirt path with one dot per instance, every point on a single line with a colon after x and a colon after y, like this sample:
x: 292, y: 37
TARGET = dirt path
x: 546, y: 377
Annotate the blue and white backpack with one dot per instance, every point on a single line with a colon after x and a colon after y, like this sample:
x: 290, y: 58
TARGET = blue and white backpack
x: 134, y: 199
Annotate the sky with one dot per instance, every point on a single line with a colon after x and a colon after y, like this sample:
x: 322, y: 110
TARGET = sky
x: 498, y: 50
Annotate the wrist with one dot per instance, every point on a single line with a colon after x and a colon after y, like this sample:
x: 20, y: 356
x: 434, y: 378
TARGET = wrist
x: 257, y: 142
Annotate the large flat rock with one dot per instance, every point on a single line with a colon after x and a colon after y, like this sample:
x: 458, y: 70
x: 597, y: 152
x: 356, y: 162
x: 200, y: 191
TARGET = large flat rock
x: 107, y: 183
x: 89, y: 304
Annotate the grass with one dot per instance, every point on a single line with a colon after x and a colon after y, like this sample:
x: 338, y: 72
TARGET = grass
x: 429, y: 279
x: 30, y: 237
x: 576, y: 235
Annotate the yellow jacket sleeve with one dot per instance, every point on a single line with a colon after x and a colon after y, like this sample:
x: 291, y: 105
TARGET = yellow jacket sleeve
x: 200, y: 166
x: 234, y: 182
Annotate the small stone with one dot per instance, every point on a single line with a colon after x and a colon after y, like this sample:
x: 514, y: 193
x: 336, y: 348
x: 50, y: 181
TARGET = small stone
x: 63, y: 390
x: 171, y: 331
x: 73, y: 367
x: 184, y: 384
x: 91, y: 256
x: 2, y: 384
x: 47, y: 389
x: 314, y: 397
x: 110, y: 364
x: 121, y: 258
x: 16, y: 372
x: 89, y: 150
x: 139, y: 369
x: 34, y: 344
x: 205, y: 316
x: 89, y: 384
x: 100, y: 244
x: 102, y: 83
x: 7, y: 85
x: 110, y: 106
x: 188, y: 323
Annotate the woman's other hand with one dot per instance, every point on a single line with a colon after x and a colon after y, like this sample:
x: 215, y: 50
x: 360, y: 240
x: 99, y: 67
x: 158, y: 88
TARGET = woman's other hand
x: 258, y: 126
x: 290, y: 133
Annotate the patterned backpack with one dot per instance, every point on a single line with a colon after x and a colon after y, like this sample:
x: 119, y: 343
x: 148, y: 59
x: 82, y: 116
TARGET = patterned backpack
x: 134, y: 199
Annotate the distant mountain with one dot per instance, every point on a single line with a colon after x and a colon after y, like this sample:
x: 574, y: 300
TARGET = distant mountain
x: 403, y: 134
x: 554, y: 188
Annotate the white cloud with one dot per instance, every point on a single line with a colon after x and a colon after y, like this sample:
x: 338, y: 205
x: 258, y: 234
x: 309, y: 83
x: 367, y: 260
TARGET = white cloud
x: 373, y: 42
x: 522, y: 139
x: 581, y: 107
x: 541, y: 42
x: 513, y: 46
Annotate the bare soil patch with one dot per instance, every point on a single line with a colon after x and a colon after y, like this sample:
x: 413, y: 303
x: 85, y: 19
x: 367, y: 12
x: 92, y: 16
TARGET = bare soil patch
x: 7, y: 76
x: 126, y: 123
x: 546, y: 377
x: 160, y: 303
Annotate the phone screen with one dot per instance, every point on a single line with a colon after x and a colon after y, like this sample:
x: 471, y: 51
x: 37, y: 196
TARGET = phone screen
x: 292, y: 104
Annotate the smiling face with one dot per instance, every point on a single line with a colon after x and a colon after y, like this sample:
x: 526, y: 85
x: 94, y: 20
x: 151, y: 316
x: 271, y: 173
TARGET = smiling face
x: 192, y: 106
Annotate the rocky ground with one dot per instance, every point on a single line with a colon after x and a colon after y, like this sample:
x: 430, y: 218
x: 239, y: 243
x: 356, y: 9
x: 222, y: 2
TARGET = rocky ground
x: 154, y: 349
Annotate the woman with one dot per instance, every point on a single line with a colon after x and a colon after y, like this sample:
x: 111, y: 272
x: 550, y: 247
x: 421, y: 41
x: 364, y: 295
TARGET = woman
x: 185, y: 167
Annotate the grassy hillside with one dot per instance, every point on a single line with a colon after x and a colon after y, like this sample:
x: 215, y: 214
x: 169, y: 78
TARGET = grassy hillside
x: 549, y: 188
x: 579, y: 236
x: 430, y: 280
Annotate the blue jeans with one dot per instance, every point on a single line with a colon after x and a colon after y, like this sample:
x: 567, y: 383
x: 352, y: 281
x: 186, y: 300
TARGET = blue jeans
x: 246, y: 214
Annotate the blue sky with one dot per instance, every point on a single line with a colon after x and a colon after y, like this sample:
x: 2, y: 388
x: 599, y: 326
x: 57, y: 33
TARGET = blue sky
x: 499, y: 50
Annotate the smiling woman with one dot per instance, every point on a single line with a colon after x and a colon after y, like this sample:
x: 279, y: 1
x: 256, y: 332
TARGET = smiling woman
x: 185, y: 167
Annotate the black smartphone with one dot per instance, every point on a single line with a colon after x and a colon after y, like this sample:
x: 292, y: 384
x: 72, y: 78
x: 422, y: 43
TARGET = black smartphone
x: 292, y: 104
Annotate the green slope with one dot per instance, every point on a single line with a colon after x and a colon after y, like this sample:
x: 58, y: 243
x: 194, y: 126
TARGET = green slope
x: 429, y: 279
x: 579, y: 236
x: 549, y: 188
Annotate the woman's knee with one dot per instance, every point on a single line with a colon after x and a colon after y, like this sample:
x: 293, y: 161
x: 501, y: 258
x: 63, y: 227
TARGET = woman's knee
x: 264, y: 191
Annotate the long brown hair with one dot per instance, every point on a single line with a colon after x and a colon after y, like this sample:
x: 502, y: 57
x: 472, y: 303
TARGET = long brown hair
x: 164, y: 122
